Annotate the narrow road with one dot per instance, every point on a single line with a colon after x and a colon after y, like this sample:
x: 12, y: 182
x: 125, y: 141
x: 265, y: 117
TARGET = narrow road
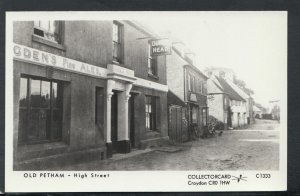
x: 255, y: 147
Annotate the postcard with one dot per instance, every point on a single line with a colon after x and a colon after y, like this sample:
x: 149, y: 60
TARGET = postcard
x: 146, y: 101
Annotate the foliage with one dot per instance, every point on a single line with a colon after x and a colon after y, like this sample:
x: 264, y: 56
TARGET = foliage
x: 242, y: 85
x: 214, y: 123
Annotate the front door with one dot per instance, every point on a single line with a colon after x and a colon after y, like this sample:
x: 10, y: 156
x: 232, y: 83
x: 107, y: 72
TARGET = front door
x: 114, y: 121
x: 131, y: 121
x: 178, y: 129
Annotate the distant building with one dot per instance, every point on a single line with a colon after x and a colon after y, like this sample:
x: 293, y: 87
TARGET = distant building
x: 257, y: 112
x: 248, y: 98
x: 225, y: 103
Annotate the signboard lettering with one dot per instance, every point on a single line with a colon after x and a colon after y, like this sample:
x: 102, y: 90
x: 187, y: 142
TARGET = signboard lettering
x: 47, y: 59
x: 160, y: 47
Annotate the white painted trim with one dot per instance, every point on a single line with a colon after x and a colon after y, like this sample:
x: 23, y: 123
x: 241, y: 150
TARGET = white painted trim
x: 149, y: 84
x: 42, y: 58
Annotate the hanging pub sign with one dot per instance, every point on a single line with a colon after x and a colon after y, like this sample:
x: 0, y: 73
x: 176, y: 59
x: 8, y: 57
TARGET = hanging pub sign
x: 160, y: 47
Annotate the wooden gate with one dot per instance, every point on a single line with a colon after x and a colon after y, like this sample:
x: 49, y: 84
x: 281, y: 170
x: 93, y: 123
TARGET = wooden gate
x: 178, y: 124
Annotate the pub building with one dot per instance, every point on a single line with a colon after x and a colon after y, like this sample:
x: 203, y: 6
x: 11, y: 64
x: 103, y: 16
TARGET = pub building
x: 84, y: 90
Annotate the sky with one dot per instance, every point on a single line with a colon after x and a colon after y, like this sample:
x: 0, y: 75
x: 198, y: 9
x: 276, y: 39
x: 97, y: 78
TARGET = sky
x: 253, y: 44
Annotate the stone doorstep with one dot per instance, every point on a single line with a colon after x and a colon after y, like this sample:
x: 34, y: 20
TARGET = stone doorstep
x: 68, y: 158
x: 154, y: 142
x: 134, y: 152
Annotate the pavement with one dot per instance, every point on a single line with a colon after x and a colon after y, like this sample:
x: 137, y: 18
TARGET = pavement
x: 254, y: 147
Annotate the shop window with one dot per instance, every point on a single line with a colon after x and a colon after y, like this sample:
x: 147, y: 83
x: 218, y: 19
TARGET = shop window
x: 152, y: 63
x: 194, y: 115
x: 117, y: 42
x: 40, y: 110
x: 48, y: 29
x: 150, y: 113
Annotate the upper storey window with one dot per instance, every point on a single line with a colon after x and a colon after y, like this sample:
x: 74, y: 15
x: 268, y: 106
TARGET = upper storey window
x: 152, y: 63
x: 48, y: 29
x: 117, y: 42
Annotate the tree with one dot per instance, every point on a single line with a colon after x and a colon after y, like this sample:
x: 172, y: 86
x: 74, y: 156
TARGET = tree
x: 242, y: 85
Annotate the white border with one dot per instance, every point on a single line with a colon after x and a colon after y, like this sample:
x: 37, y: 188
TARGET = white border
x: 133, y: 180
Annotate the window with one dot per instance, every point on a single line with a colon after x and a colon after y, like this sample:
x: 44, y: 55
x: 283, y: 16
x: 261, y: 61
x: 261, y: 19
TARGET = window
x: 189, y: 81
x: 48, y: 29
x: 117, y: 42
x: 152, y: 62
x: 200, y: 87
x: 204, y: 88
x: 40, y: 110
x: 193, y: 84
x: 194, y: 114
x: 150, y: 113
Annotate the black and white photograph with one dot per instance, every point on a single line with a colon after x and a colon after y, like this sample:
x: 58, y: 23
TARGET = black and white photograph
x: 195, y: 97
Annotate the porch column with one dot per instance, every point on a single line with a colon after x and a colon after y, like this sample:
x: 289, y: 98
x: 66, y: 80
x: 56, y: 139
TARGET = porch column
x: 123, y: 135
x: 109, y: 93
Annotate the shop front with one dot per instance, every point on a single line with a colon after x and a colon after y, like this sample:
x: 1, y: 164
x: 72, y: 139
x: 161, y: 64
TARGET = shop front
x: 198, y: 114
x: 67, y: 111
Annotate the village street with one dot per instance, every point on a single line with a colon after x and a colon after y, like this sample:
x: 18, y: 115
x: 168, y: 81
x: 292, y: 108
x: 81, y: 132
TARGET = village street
x: 255, y: 147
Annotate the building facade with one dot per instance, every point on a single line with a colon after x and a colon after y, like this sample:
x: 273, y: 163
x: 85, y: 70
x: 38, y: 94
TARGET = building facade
x: 84, y: 90
x: 187, y: 96
x: 245, y: 96
x: 225, y: 104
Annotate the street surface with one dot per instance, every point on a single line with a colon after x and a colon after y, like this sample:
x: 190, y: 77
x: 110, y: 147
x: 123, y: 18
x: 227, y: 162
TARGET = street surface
x: 255, y: 147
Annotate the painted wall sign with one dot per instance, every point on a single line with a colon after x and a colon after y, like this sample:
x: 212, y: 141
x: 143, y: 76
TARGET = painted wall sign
x: 193, y: 97
x: 160, y: 47
x: 34, y: 56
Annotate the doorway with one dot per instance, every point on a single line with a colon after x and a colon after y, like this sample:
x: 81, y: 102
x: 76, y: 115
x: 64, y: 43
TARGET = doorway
x: 131, y: 121
x: 114, y: 121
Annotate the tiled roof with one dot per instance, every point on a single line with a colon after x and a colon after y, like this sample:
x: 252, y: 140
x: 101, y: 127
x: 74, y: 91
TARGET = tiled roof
x: 226, y: 88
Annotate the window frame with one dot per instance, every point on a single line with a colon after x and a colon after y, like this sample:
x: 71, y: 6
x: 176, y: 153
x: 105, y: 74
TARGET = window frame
x: 152, y: 63
x: 150, y: 125
x: 189, y: 81
x: 120, y: 43
x: 193, y: 83
x: 51, y: 108
x: 58, y: 39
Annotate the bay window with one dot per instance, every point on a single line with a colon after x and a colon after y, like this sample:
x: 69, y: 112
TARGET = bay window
x: 40, y: 110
